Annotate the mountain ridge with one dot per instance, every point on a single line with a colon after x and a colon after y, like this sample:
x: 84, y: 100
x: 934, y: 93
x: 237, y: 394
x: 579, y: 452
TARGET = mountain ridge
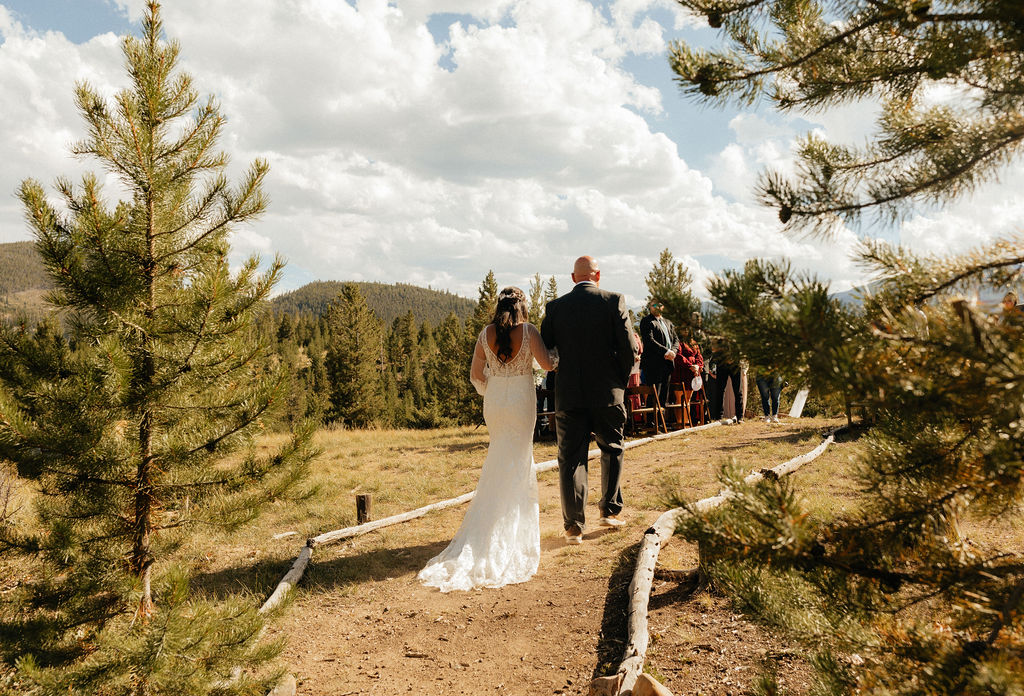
x: 24, y: 284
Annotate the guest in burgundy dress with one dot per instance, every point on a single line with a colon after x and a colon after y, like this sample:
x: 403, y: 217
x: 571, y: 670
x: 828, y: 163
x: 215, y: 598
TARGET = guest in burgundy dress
x: 689, y: 363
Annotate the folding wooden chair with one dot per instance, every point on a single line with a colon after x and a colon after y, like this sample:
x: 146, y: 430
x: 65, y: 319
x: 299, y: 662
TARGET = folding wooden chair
x: 647, y: 394
x: 545, y: 413
x: 680, y: 404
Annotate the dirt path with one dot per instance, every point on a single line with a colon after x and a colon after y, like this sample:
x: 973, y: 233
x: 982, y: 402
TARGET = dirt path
x: 363, y: 625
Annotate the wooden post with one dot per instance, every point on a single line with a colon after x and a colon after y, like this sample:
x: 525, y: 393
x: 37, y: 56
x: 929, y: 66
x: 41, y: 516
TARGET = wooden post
x: 364, y: 505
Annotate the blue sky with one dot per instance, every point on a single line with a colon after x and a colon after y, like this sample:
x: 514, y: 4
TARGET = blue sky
x: 78, y: 20
x: 429, y: 141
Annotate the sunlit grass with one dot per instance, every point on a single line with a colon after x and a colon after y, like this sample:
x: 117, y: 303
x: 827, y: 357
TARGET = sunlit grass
x: 406, y: 469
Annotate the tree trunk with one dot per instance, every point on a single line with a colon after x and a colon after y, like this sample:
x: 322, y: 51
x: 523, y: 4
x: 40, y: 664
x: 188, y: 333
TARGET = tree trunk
x: 142, y: 557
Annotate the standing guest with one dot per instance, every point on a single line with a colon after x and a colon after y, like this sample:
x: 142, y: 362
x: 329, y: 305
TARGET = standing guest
x: 689, y: 362
x: 634, y: 380
x: 659, y: 342
x: 770, y: 387
x: 722, y: 370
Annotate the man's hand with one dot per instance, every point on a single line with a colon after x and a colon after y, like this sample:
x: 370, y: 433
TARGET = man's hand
x: 670, y: 355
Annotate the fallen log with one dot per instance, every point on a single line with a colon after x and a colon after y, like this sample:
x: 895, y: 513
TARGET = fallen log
x: 647, y: 559
x: 359, y: 529
x: 289, y: 580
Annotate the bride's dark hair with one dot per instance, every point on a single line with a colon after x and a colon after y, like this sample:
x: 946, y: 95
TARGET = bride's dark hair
x: 510, y: 311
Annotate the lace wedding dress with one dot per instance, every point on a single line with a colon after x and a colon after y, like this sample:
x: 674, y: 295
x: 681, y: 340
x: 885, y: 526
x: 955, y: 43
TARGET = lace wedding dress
x: 499, y: 540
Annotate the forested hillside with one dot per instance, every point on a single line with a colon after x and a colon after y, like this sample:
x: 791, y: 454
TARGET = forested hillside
x: 387, y: 301
x: 23, y: 282
x: 21, y: 268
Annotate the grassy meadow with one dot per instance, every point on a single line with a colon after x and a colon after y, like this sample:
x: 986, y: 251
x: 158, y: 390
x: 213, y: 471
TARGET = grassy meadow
x: 405, y: 469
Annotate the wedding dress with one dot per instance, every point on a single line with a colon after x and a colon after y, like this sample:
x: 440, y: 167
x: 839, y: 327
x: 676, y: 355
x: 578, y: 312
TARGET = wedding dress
x: 499, y: 540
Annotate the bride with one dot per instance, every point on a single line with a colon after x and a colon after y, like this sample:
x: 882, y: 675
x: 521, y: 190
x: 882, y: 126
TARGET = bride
x: 499, y: 540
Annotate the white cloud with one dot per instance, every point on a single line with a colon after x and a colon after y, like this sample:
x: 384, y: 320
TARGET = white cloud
x: 387, y: 163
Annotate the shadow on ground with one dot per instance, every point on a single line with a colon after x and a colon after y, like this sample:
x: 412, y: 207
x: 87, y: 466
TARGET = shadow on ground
x: 335, y: 571
x: 612, y: 640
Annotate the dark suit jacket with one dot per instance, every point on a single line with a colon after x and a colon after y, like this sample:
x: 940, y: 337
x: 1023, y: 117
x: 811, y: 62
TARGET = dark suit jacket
x: 652, y: 359
x: 590, y: 328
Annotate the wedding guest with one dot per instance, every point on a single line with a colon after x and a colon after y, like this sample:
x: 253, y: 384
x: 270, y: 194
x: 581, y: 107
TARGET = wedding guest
x: 659, y: 341
x: 770, y: 387
x: 689, y: 362
x: 723, y: 369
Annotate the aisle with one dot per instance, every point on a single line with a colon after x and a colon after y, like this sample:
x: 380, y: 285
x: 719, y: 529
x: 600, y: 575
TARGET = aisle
x: 361, y: 624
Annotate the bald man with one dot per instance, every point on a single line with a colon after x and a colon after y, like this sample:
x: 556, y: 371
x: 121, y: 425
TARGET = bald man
x: 590, y: 328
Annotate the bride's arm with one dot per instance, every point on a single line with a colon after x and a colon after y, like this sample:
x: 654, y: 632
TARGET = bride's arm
x: 545, y: 358
x: 476, y: 371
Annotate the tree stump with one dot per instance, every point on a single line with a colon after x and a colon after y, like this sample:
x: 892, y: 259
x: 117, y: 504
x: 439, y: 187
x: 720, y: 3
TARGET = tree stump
x: 364, y: 505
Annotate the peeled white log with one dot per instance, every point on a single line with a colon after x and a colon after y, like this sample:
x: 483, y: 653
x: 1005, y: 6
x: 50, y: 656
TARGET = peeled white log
x: 290, y: 579
x: 348, y: 532
x: 637, y: 636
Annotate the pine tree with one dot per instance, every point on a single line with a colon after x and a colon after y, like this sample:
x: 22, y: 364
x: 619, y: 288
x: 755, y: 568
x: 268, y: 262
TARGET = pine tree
x: 537, y: 302
x: 669, y: 283
x: 126, y: 431
x: 286, y: 327
x: 425, y: 339
x: 551, y: 291
x: 487, y: 300
x: 791, y: 326
x: 353, y: 360
x: 448, y: 371
x: 810, y: 54
x: 893, y: 581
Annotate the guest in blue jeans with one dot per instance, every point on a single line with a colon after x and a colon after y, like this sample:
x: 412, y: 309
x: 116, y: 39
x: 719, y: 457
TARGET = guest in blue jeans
x: 770, y: 386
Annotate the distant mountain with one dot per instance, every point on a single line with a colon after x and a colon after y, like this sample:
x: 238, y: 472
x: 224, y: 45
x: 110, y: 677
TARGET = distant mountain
x: 24, y: 283
x: 986, y: 297
x: 386, y: 301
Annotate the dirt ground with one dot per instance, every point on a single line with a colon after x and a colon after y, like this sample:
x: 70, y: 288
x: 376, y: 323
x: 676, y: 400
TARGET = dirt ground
x: 362, y: 624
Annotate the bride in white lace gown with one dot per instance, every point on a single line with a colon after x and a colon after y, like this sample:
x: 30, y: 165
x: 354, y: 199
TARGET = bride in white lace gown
x: 499, y: 540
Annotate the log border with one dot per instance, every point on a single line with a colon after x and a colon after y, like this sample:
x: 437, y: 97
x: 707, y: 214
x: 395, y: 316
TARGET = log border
x: 637, y: 636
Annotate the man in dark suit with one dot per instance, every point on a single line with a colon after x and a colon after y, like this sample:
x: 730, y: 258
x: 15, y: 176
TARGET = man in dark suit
x: 590, y: 328
x: 660, y: 341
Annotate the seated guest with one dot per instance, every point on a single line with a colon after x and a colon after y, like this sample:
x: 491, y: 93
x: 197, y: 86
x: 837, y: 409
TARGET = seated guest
x: 689, y: 362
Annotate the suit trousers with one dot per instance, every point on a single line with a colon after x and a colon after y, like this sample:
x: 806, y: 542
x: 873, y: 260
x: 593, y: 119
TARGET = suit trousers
x: 660, y: 378
x: 574, y: 427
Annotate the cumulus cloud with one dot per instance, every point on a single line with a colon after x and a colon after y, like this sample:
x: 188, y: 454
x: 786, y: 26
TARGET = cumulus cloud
x: 513, y: 139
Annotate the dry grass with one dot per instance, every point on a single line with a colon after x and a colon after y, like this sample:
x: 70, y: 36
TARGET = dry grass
x: 401, y: 470
x: 405, y: 469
